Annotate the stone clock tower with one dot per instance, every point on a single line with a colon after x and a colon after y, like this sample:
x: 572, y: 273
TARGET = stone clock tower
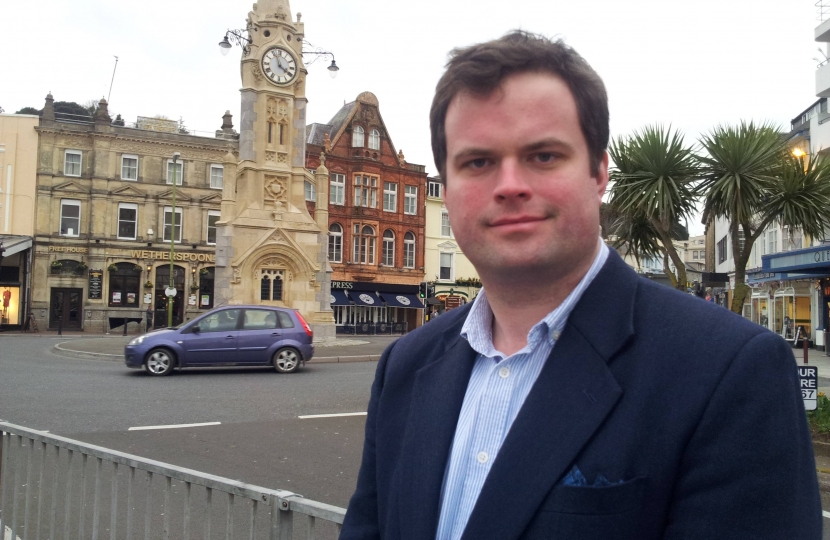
x: 269, y: 250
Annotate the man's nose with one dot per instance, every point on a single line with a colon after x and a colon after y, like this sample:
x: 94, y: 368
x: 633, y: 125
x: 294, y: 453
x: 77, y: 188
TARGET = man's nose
x: 511, y: 181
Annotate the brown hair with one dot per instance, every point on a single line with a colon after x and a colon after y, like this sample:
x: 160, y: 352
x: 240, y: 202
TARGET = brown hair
x: 481, y: 68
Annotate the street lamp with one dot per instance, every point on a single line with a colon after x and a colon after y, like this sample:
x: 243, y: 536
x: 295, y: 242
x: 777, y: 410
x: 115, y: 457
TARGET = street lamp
x: 171, y: 290
x: 236, y: 37
x: 798, y: 152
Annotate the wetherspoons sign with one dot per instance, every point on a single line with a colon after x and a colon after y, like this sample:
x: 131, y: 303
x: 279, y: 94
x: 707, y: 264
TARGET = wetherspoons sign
x: 178, y: 256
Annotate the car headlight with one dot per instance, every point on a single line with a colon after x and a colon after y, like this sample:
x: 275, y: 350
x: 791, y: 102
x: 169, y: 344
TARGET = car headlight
x: 137, y: 341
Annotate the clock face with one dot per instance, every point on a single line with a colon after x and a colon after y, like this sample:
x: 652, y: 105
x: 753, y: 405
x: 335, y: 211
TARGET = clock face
x: 279, y: 66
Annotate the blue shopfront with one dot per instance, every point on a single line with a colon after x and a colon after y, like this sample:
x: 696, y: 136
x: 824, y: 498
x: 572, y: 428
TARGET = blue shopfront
x: 375, y: 308
x: 798, y: 287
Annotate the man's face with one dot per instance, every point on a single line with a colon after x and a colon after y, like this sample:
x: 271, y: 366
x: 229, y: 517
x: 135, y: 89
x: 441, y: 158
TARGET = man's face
x: 519, y: 190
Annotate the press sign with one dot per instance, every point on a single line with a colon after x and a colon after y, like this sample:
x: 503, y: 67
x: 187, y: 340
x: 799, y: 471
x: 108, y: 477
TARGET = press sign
x: 808, y: 380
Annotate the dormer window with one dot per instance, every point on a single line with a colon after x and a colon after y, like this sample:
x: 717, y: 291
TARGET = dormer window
x: 374, y: 140
x: 357, y: 137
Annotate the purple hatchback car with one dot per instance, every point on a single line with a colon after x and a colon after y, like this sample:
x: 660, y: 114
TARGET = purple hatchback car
x: 226, y: 336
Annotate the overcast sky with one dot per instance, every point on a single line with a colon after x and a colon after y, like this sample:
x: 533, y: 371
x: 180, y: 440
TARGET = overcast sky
x: 689, y: 64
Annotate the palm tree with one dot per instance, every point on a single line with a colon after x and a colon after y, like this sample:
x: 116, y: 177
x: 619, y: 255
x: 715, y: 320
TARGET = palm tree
x: 653, y: 188
x: 751, y: 180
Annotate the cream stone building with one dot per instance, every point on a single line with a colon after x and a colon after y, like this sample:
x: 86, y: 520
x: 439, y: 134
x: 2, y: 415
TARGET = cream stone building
x: 106, y: 202
x: 18, y: 165
x: 452, y: 275
x: 269, y: 248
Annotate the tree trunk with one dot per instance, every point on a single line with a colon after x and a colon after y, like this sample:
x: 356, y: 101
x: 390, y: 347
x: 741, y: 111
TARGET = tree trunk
x: 668, y: 249
x: 740, y: 258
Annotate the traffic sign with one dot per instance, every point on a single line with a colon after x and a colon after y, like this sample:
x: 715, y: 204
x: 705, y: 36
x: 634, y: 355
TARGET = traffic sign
x: 808, y: 382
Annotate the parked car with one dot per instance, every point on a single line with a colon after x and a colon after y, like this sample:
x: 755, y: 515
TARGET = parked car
x: 226, y: 336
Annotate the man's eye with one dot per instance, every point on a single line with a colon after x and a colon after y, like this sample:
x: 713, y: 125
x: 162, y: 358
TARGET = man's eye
x: 477, y: 163
x: 545, y: 157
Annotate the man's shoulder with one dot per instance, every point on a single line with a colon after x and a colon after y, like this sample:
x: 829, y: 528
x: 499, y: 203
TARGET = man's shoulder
x: 659, y: 300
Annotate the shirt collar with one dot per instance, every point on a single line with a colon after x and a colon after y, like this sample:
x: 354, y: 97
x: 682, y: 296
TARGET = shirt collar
x: 478, y: 328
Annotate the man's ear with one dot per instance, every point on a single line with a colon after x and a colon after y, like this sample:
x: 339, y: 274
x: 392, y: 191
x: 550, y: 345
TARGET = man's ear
x: 602, y: 176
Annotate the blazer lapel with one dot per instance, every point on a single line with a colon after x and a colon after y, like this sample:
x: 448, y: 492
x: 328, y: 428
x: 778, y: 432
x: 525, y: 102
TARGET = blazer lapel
x: 438, y: 394
x: 573, y: 395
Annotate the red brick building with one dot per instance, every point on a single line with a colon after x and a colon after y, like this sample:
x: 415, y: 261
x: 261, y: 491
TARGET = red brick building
x: 376, y: 219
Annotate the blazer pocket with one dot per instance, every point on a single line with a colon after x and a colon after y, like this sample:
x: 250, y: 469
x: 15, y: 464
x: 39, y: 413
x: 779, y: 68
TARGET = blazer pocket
x: 588, y: 500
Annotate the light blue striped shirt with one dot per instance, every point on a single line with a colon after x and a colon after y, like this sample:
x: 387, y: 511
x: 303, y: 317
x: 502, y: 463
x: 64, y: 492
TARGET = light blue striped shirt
x: 497, y: 390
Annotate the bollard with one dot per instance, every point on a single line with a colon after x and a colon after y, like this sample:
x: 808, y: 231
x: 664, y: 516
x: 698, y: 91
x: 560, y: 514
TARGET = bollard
x: 60, y: 325
x: 804, y: 341
x: 125, y: 326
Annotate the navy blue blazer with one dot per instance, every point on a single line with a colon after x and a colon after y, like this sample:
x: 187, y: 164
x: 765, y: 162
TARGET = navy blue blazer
x: 691, y: 413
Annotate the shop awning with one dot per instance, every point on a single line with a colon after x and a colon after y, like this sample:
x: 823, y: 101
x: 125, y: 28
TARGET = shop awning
x: 402, y: 300
x: 339, y: 298
x: 365, y: 298
x: 15, y: 244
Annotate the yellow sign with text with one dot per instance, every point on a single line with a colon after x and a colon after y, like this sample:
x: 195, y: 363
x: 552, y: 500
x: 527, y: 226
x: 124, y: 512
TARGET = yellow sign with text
x: 178, y: 256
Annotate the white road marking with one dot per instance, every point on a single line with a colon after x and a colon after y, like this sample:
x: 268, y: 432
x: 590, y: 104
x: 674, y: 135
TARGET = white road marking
x: 331, y: 415
x: 825, y: 514
x: 174, y: 426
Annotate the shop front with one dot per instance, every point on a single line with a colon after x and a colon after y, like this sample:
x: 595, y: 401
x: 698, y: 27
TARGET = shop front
x: 99, y: 289
x: 14, y: 280
x: 375, y: 308
x: 800, y: 305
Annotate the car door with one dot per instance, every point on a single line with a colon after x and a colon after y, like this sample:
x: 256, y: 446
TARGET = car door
x: 214, y: 339
x: 260, y: 329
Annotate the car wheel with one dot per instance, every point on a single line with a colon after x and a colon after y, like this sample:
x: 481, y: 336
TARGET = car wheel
x: 159, y: 362
x: 286, y: 360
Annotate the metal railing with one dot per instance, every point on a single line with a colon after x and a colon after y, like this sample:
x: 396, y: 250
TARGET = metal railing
x: 822, y: 10
x: 53, y: 501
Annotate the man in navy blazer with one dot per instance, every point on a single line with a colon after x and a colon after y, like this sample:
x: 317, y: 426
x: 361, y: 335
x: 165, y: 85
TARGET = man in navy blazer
x: 573, y: 399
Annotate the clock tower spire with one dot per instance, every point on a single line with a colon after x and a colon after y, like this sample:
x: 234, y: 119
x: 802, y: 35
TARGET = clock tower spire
x: 269, y: 249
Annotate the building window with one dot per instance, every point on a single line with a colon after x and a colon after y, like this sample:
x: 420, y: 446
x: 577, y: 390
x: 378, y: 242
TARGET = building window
x: 445, y: 267
x: 72, y: 163
x: 446, y: 230
x: 388, y: 256
x: 169, y: 226
x: 374, y: 140
x: 70, y: 217
x: 310, y: 192
x: 434, y: 189
x: 335, y: 243
x: 364, y: 244
x: 357, y: 137
x: 722, y: 250
x: 410, y: 201
x: 213, y: 217
x: 390, y: 197
x: 129, y: 167
x: 366, y: 191
x: 338, y: 189
x: 127, y: 221
x: 217, y: 176
x: 694, y: 254
x: 409, y: 250
x: 176, y: 169
x: 124, y: 285
x: 772, y: 241
x: 270, y: 285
